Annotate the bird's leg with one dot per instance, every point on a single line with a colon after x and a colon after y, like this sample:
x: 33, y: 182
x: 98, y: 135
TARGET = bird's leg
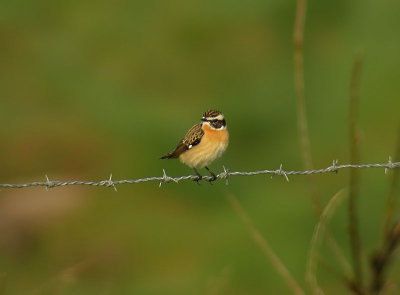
x: 199, y: 177
x: 213, y: 176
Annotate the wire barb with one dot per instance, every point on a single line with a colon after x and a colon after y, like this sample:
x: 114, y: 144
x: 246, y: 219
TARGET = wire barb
x: 223, y: 175
x: 165, y: 178
x: 281, y: 172
x: 49, y: 184
x: 389, y: 165
x: 111, y: 183
x: 333, y: 168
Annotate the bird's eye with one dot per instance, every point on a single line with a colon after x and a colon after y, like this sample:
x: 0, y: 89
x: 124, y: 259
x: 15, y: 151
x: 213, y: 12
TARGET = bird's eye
x: 216, y: 124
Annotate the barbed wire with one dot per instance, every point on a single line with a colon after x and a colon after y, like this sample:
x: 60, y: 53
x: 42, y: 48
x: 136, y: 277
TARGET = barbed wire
x: 223, y: 175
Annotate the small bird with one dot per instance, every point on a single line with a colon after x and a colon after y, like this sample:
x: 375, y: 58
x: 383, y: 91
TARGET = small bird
x: 203, y: 143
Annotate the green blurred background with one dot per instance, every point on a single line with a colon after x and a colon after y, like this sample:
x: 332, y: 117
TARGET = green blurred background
x: 93, y: 88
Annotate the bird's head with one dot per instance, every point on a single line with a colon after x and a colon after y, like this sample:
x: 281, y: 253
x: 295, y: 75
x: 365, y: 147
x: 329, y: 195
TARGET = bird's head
x: 215, y: 119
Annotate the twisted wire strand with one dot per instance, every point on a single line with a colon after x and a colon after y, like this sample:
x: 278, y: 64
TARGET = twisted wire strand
x: 223, y: 175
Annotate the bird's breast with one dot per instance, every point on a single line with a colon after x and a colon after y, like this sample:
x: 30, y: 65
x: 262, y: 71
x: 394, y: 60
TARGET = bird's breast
x: 217, y: 136
x: 212, y: 145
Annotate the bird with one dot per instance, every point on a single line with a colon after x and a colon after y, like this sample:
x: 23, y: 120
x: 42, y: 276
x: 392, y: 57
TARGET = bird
x: 203, y: 143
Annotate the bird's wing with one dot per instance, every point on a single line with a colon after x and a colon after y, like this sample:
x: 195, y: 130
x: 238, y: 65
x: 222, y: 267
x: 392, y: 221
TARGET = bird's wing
x: 192, y: 138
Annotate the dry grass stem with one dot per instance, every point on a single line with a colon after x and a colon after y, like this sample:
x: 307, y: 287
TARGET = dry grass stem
x: 355, y: 241
x: 302, y: 125
x: 381, y: 259
x: 264, y: 246
x: 341, y: 259
x: 336, y: 273
x: 391, y: 204
x: 299, y: 87
x: 319, y: 231
x: 298, y: 42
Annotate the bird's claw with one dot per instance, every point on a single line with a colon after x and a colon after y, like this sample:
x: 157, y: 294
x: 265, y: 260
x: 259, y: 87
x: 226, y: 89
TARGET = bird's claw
x: 212, y: 178
x: 197, y: 179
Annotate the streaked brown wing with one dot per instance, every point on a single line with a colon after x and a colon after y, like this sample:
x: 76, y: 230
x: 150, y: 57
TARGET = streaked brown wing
x: 192, y: 138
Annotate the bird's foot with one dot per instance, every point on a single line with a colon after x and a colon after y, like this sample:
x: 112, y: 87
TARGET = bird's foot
x: 212, y: 178
x: 198, y: 178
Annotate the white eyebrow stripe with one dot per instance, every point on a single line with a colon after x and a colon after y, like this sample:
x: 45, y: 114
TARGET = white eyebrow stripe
x: 219, y: 117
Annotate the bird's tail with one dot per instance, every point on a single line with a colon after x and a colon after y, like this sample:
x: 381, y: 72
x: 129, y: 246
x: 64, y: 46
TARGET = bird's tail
x: 170, y: 155
x: 177, y: 152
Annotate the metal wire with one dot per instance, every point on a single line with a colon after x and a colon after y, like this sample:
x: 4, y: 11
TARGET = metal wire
x: 223, y: 175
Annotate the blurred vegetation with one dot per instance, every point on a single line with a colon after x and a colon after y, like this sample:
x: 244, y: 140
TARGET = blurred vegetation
x: 88, y: 88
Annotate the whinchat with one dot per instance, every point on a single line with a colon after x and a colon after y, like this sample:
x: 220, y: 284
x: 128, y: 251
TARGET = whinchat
x: 203, y: 143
